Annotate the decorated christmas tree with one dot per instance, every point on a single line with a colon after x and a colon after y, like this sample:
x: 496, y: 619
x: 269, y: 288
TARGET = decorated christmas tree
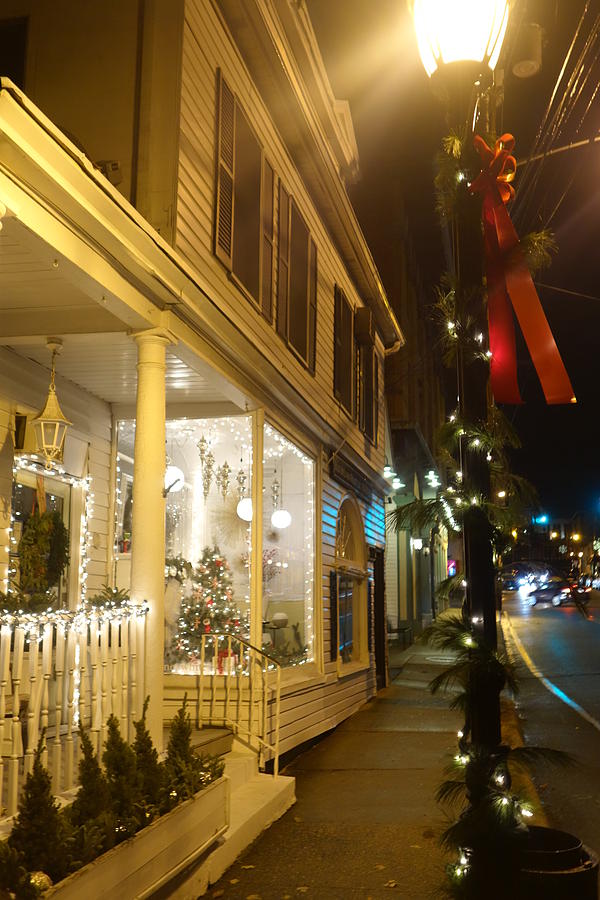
x: 208, y: 606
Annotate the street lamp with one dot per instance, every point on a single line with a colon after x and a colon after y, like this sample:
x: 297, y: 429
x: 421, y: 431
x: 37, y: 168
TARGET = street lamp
x: 459, y: 43
x: 459, y: 31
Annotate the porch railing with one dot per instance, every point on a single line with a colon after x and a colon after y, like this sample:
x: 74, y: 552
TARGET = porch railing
x: 57, y: 669
x: 240, y: 686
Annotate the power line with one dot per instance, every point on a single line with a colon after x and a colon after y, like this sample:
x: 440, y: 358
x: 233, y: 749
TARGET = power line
x: 552, y: 287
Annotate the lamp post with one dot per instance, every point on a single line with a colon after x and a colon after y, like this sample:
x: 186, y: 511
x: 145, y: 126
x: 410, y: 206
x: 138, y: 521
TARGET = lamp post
x: 459, y: 43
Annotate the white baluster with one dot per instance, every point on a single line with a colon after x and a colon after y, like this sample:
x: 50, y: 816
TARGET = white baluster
x: 114, y: 658
x: 104, y: 654
x: 46, y: 673
x: 124, y: 676
x: 5, y: 636
x: 59, y: 668
x: 70, y: 669
x: 33, y: 705
x: 96, y: 700
x: 133, y: 670
x: 17, y: 743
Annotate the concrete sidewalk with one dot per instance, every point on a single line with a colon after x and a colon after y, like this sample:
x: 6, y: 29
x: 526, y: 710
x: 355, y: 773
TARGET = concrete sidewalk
x: 365, y: 824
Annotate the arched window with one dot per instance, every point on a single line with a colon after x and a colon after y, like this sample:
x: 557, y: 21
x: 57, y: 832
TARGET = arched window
x: 351, y: 584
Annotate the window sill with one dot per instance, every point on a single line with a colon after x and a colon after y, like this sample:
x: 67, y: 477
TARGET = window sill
x: 353, y: 668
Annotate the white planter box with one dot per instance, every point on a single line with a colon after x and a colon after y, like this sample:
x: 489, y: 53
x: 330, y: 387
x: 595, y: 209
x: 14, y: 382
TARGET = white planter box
x: 139, y: 866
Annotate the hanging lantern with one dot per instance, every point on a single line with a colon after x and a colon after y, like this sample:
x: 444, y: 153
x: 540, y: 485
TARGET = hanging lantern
x: 50, y: 424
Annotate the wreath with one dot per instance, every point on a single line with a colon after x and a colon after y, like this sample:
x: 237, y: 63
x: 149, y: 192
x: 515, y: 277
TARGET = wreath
x: 43, y: 551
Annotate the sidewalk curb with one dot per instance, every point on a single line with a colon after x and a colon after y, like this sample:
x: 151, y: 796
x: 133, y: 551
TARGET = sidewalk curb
x: 512, y: 734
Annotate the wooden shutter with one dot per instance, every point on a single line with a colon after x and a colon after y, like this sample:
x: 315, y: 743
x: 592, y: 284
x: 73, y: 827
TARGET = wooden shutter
x: 333, y: 615
x: 337, y: 342
x: 375, y: 399
x: 268, y: 184
x: 283, y: 279
x: 225, y: 172
x: 342, y: 356
x: 312, y: 306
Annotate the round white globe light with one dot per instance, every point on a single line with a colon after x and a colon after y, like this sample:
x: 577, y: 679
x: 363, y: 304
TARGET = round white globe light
x: 244, y: 509
x: 281, y: 519
x: 174, y: 479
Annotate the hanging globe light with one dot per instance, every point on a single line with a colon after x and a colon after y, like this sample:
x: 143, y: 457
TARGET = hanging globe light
x: 50, y: 425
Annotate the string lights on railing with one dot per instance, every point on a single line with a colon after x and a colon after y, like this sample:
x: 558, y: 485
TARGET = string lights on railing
x: 78, y: 620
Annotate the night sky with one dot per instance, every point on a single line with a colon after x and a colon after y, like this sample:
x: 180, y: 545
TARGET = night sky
x: 370, y: 54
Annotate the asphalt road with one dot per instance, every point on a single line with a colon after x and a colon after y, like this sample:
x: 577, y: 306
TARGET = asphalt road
x: 557, y: 652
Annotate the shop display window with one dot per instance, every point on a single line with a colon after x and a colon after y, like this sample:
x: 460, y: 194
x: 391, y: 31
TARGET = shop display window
x: 288, y: 550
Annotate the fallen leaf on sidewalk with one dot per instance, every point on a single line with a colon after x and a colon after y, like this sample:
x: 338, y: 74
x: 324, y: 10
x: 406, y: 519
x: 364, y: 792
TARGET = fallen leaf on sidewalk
x: 233, y: 880
x: 391, y: 883
x: 248, y: 867
x: 380, y: 867
x: 302, y: 890
x: 415, y: 846
x: 297, y: 819
x: 219, y: 893
x: 253, y: 897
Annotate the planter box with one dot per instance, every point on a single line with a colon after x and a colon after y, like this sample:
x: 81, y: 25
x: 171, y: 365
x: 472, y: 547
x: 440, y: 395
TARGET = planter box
x: 138, y: 867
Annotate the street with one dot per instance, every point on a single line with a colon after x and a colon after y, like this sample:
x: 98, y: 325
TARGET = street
x: 557, y: 655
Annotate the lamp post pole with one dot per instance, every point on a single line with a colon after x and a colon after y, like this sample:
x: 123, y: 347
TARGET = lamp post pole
x: 459, y: 43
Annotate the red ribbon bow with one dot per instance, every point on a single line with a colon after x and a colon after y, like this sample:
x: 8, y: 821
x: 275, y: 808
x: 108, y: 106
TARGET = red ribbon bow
x: 509, y: 279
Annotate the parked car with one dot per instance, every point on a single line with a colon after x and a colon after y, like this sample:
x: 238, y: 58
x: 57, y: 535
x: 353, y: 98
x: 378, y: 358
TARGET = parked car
x: 556, y: 589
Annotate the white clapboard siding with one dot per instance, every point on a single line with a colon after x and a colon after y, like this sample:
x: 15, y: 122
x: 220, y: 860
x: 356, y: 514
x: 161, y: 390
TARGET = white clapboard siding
x: 23, y: 387
x: 208, y: 46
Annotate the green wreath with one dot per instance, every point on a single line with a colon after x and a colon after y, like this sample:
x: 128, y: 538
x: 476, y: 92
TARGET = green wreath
x: 43, y: 551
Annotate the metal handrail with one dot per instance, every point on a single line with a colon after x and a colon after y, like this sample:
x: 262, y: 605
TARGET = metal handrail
x: 255, y: 655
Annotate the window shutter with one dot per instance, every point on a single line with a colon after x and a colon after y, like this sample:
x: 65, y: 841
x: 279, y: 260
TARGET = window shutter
x: 312, y: 306
x: 375, y: 399
x: 337, y: 342
x: 225, y: 172
x: 268, y: 182
x: 284, y: 257
x: 333, y: 616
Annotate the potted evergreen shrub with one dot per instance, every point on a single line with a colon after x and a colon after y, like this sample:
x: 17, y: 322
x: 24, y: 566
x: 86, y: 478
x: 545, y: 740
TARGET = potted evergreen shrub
x: 135, y: 822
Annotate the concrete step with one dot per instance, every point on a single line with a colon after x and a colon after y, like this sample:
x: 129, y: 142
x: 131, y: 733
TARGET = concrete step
x: 216, y: 741
x: 254, y: 806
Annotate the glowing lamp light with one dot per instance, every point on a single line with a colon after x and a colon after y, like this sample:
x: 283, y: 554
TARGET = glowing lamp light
x: 244, y: 509
x: 281, y: 519
x: 459, y: 31
x: 174, y: 480
x: 397, y: 483
x: 576, y: 537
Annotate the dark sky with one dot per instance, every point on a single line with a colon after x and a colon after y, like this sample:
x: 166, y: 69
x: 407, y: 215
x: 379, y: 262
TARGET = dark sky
x: 371, y: 57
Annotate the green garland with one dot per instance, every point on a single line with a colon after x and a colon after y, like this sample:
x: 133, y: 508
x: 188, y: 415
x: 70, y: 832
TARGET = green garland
x: 43, y: 551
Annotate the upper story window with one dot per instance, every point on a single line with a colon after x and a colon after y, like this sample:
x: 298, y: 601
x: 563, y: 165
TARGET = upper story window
x: 244, y: 203
x: 297, y: 281
x: 356, y: 365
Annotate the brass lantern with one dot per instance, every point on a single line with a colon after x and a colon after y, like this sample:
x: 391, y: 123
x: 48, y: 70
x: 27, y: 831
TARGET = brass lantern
x: 50, y: 424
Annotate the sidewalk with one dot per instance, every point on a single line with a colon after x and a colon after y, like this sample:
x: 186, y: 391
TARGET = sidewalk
x: 365, y: 824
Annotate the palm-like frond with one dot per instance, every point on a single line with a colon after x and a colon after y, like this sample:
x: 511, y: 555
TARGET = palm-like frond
x: 451, y: 791
x: 450, y: 589
x: 419, y: 515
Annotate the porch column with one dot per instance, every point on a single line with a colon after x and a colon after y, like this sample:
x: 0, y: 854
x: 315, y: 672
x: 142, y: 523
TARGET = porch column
x: 148, y: 516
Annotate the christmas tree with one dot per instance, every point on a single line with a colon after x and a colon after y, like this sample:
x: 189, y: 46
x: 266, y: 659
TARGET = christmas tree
x: 123, y: 781
x: 207, y: 606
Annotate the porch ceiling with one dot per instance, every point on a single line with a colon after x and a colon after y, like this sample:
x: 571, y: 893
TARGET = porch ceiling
x: 41, y: 293
x: 105, y: 365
